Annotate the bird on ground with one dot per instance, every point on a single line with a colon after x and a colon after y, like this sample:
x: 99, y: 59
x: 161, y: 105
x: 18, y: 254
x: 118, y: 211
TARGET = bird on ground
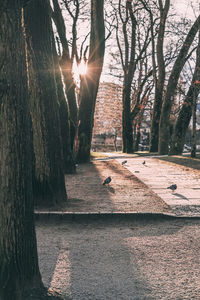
x: 172, y: 187
x: 107, y: 180
x: 124, y: 162
x: 144, y: 162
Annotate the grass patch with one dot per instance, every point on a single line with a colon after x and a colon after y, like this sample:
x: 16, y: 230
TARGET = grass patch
x: 98, y: 154
x: 183, y: 160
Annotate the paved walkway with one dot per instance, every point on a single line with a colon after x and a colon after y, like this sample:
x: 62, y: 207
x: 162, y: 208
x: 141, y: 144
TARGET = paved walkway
x: 158, y: 175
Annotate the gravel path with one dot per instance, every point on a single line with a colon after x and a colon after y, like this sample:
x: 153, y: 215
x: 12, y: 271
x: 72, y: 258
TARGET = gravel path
x: 132, y: 258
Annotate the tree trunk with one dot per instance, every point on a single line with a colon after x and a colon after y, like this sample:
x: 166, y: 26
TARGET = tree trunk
x: 155, y: 119
x: 66, y: 66
x: 159, y: 82
x: 49, y: 184
x: 18, y: 250
x: 194, y: 127
x: 184, y: 117
x: 137, y: 137
x: 129, y: 70
x: 127, y: 128
x: 171, y: 87
x: 182, y: 123
x: 90, y: 82
x: 68, y: 160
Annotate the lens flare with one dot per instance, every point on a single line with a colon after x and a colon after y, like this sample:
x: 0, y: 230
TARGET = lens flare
x: 82, y: 68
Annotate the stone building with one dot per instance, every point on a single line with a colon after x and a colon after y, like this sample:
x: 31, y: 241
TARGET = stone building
x: 107, y: 130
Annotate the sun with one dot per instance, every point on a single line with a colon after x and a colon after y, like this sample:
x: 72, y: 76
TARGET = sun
x: 79, y: 70
x: 82, y: 68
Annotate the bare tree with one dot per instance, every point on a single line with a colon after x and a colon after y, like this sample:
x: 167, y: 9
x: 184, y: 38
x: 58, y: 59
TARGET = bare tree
x: 132, y: 52
x: 184, y: 117
x: 90, y: 81
x: 171, y: 87
x: 159, y: 77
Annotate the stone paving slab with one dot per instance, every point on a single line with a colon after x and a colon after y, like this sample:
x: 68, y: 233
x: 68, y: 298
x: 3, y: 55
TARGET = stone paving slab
x: 159, y: 175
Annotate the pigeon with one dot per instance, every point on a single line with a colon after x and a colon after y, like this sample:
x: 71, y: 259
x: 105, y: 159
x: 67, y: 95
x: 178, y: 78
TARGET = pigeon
x: 144, y: 162
x: 124, y: 162
x: 107, y: 180
x: 172, y: 187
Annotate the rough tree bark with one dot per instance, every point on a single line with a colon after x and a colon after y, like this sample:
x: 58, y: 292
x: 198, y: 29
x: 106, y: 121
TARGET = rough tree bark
x: 18, y: 250
x: 171, y: 87
x: 90, y: 81
x: 49, y: 184
x: 184, y: 117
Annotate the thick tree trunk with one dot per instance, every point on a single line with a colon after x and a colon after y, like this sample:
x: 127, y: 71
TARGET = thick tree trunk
x: 66, y: 67
x: 86, y: 112
x: 49, y: 184
x: 68, y: 160
x: 18, y: 250
x: 171, y: 87
x: 90, y: 82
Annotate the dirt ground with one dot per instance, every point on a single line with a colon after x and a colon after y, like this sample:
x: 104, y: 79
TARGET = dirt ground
x: 121, y: 258
x: 126, y: 193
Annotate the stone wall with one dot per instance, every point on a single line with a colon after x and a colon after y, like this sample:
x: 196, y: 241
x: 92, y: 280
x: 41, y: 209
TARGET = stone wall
x: 107, y: 130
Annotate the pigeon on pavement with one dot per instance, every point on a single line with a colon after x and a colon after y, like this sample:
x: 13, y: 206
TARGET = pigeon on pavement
x: 107, y: 180
x: 144, y: 162
x: 172, y: 187
x: 124, y: 162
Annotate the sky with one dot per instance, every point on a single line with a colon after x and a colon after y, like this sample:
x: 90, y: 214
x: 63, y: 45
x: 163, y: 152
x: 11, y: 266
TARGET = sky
x: 184, y: 9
